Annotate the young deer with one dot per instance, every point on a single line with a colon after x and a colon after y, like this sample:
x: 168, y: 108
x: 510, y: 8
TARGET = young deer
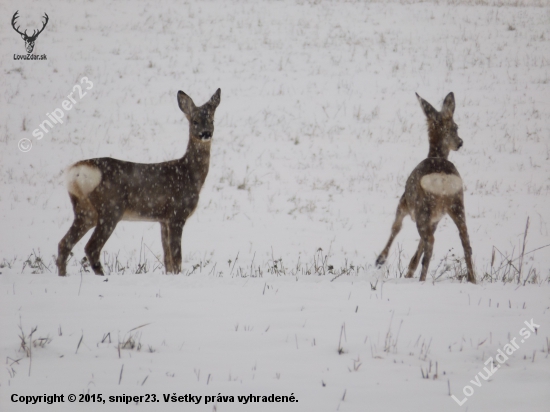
x: 105, y: 191
x: 434, y: 189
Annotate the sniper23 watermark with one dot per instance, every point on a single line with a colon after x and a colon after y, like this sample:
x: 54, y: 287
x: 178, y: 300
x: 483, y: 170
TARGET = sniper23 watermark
x: 56, y: 116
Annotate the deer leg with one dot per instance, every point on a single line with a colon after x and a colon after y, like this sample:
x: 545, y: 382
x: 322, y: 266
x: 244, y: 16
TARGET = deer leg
x: 165, y: 236
x: 84, y: 219
x: 176, y: 230
x: 415, y: 259
x: 106, y: 223
x: 78, y: 229
x: 457, y: 214
x: 402, y: 211
x: 427, y: 233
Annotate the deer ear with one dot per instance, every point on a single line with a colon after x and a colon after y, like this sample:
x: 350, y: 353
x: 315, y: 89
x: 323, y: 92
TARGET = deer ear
x: 448, y: 105
x: 185, y: 103
x: 215, y: 99
x: 428, y: 109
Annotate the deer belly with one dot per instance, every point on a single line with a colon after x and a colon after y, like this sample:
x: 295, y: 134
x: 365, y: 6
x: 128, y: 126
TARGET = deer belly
x: 436, y: 216
x: 136, y: 217
x: 441, y: 184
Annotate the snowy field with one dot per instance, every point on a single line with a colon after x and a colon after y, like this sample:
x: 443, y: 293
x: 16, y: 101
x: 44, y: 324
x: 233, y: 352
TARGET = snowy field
x: 317, y: 131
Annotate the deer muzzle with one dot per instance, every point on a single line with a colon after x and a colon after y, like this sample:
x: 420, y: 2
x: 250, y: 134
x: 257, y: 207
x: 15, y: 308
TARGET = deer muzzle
x: 206, y: 135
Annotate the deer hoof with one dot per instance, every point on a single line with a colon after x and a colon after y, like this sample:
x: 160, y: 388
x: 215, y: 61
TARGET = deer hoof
x: 380, y: 261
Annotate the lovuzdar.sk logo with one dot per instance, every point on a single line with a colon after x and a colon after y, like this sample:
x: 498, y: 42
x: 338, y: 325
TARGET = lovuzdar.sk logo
x: 29, y: 40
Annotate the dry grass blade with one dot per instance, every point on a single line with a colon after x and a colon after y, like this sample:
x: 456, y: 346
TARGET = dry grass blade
x: 522, y: 254
x: 140, y: 326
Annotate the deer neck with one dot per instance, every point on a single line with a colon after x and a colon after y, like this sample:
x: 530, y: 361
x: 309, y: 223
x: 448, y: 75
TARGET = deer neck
x: 437, y: 149
x: 197, y: 158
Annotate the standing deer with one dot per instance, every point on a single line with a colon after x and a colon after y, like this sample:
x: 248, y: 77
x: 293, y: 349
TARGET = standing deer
x: 434, y: 189
x: 105, y: 191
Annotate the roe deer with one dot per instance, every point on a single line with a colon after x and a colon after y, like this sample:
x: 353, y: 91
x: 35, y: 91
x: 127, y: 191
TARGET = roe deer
x: 104, y: 191
x: 434, y: 189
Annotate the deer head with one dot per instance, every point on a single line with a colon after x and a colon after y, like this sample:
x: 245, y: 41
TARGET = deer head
x: 442, y: 130
x: 29, y: 40
x: 201, y: 119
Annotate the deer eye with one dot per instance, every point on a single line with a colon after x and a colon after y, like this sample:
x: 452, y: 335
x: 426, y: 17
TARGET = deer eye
x: 195, y: 123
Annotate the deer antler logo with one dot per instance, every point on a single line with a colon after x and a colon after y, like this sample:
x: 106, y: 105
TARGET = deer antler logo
x: 29, y: 40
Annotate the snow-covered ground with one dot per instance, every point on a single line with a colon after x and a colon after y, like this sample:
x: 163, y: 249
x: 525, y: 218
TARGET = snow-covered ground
x: 316, y: 133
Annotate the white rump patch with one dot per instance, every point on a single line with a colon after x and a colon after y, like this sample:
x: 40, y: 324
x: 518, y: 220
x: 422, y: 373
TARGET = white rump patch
x: 82, y: 180
x: 441, y: 184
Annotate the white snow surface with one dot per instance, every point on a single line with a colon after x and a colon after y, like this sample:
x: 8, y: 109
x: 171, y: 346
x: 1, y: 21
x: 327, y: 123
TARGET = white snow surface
x: 317, y: 131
